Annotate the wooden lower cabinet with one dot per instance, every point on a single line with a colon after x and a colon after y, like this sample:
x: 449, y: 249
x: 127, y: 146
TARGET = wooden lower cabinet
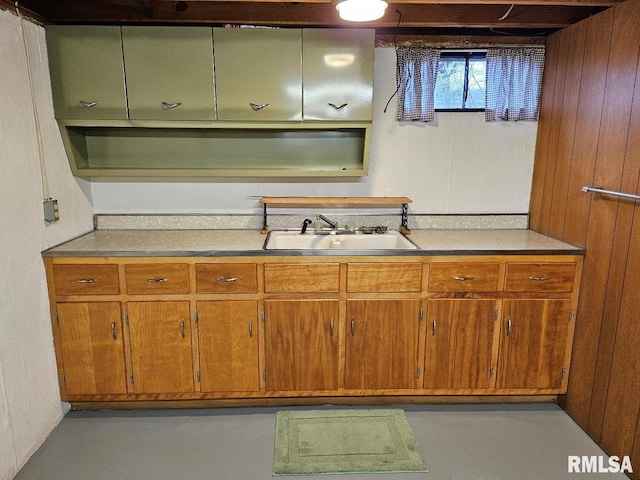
x: 160, y: 339
x: 301, y: 344
x: 228, y: 343
x: 382, y: 344
x: 459, y: 345
x: 533, y: 344
x: 231, y: 330
x: 91, y: 347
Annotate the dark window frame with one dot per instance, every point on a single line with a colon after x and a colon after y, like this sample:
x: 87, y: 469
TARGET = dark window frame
x: 467, y: 56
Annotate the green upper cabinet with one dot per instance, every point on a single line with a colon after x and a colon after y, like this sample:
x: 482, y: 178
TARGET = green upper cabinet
x: 258, y: 74
x: 169, y: 73
x: 338, y: 74
x: 87, y: 72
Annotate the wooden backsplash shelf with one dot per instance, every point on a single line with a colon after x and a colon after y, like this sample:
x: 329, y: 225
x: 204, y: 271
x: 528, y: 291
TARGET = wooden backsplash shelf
x: 338, y: 202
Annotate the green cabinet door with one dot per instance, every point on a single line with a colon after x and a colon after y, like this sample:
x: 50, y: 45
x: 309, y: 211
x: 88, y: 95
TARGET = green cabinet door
x: 169, y: 73
x: 87, y: 72
x: 338, y: 74
x: 258, y: 74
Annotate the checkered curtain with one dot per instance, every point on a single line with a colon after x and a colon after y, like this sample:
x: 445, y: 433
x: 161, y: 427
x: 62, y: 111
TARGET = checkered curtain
x: 514, y: 83
x: 416, y: 80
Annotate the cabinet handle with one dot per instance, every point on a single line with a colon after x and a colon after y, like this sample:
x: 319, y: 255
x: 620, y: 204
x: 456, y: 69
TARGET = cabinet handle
x: 89, y: 104
x: 539, y: 279
x: 113, y: 329
x: 157, y: 280
x: 171, y: 105
x: 86, y: 280
x: 250, y: 328
x: 331, y: 327
x: 226, y: 279
x: 182, y: 328
x: 463, y: 279
x: 338, y: 107
x: 434, y: 328
x: 258, y: 106
x: 508, y: 326
x: 353, y: 326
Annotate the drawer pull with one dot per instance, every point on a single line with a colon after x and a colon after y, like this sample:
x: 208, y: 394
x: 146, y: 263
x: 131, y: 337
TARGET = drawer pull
x: 434, y: 328
x: 171, y: 105
x: 539, y: 279
x: 182, y: 328
x: 250, y: 328
x: 113, y: 329
x: 157, y: 280
x: 463, y: 279
x: 258, y: 106
x: 353, y: 326
x: 226, y: 279
x: 331, y: 327
x: 508, y: 326
x: 337, y: 107
x: 89, y: 104
x: 86, y: 280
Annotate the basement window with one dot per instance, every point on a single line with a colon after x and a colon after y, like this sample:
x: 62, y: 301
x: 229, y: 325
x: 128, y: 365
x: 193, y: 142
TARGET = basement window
x: 460, y: 84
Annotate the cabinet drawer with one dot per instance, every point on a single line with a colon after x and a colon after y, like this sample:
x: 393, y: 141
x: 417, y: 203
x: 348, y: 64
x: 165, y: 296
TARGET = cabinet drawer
x: 384, y: 277
x: 299, y: 278
x: 226, y: 278
x: 157, y: 279
x: 539, y: 277
x: 463, y: 277
x: 86, y: 279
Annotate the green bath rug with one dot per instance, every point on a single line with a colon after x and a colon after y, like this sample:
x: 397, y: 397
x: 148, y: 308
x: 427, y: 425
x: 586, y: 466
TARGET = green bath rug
x: 315, y: 442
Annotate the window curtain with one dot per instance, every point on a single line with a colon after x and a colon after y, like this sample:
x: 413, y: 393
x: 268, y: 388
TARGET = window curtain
x: 416, y: 74
x: 514, y: 83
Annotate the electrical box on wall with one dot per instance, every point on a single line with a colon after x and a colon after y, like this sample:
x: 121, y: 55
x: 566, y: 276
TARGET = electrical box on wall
x: 51, y: 213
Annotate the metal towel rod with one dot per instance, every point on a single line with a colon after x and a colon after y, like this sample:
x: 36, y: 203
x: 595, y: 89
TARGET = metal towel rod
x: 610, y: 192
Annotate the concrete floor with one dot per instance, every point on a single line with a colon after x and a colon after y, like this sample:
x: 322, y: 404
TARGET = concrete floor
x: 459, y: 442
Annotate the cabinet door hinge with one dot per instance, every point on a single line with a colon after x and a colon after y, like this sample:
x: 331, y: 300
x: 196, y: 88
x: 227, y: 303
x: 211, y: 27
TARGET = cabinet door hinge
x: 495, y: 314
x: 195, y: 316
x: 131, y: 378
x: 564, y: 371
x: 570, y: 314
x: 262, y: 315
x: 421, y: 313
x: 64, y: 379
x: 491, y: 372
x: 418, y: 372
x: 198, y: 376
x: 264, y: 375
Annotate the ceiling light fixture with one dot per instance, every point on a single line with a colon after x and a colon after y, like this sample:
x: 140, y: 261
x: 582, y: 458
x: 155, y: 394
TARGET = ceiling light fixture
x: 361, y: 10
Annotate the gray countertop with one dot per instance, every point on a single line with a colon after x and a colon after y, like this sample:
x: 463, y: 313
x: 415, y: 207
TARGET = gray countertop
x: 250, y: 242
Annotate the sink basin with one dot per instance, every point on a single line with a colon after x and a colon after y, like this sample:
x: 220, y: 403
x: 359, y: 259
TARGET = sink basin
x: 391, y: 240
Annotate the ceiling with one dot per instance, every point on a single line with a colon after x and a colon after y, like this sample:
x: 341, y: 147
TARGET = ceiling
x: 445, y: 19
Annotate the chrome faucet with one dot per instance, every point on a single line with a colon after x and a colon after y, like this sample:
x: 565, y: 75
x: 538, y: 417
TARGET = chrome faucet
x: 331, y: 223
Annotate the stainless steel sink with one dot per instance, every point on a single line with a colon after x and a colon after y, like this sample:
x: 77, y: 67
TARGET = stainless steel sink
x: 286, y: 240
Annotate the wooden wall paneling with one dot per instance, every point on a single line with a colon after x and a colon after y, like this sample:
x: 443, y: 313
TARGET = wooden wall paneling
x: 587, y: 334
x: 568, y: 121
x: 544, y: 126
x: 621, y: 80
x: 623, y: 393
x: 619, y: 428
x: 585, y: 143
x: 555, y: 129
x: 635, y: 454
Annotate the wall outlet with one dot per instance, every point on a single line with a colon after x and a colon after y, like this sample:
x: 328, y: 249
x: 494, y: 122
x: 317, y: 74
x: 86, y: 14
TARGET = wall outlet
x: 51, y: 210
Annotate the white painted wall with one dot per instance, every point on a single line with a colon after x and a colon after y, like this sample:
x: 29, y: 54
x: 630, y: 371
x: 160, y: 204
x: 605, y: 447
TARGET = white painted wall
x: 29, y: 399
x: 459, y: 164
